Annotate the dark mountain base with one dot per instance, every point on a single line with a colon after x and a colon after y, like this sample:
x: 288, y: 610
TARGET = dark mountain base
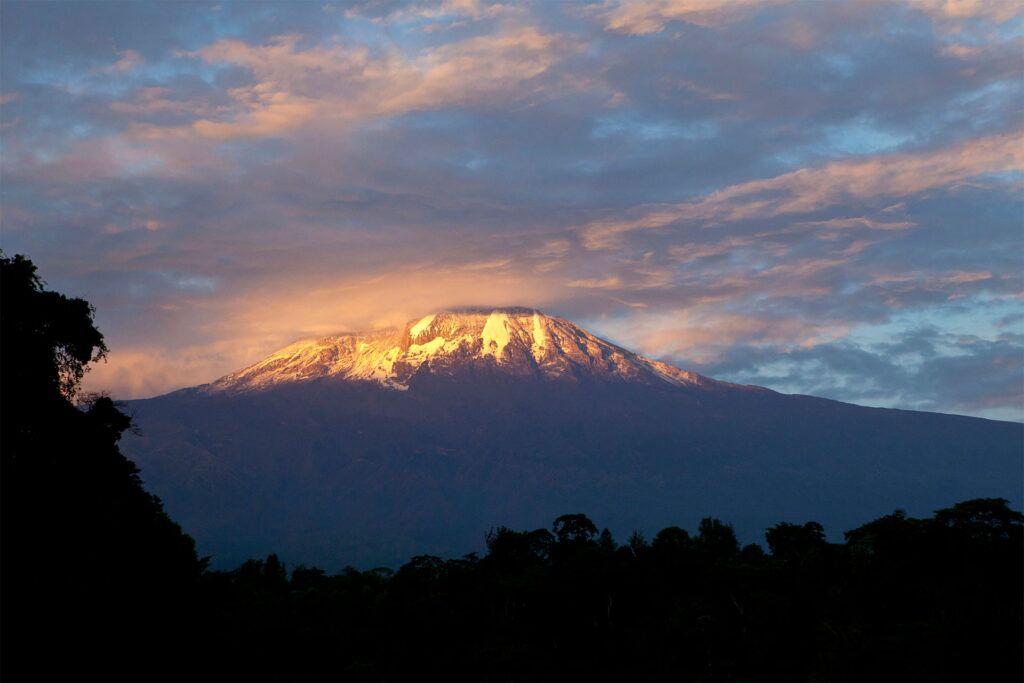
x: 342, y: 473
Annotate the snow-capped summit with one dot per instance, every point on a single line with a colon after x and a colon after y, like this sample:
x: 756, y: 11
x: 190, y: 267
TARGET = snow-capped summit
x: 518, y: 341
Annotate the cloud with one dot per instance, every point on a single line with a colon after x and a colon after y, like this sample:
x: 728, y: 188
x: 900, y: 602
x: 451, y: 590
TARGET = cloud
x: 639, y: 17
x: 807, y: 190
x: 430, y: 10
x: 857, y: 222
x: 295, y: 87
x: 596, y: 283
x: 997, y: 12
x: 130, y: 60
x: 918, y: 367
x: 923, y: 369
x: 157, y: 100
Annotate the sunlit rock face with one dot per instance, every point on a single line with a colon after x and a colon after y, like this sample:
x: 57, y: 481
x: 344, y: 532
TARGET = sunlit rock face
x: 368, y: 449
x: 513, y: 341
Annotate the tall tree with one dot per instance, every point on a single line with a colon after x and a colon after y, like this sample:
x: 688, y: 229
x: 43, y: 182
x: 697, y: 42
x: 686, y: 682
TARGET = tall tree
x: 92, y: 567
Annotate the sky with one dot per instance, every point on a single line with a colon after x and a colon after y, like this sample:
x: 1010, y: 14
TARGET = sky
x: 817, y: 197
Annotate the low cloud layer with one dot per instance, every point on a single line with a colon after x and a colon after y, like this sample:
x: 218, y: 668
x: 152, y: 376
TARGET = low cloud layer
x: 817, y: 197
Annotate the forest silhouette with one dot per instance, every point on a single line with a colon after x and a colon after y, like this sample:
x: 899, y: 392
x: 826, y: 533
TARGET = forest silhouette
x: 98, y: 583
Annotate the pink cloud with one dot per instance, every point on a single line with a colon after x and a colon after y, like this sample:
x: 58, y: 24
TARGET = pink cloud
x: 596, y: 283
x: 339, y: 84
x: 639, y: 17
x: 857, y: 222
x: 807, y: 190
x: 129, y: 61
x: 156, y: 100
x: 703, y: 333
x: 997, y: 11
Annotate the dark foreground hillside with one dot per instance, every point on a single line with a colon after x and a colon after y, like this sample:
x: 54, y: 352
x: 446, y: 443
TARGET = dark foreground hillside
x: 98, y: 583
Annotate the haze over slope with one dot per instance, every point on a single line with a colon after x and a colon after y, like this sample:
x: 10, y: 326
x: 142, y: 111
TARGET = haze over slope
x: 369, y: 448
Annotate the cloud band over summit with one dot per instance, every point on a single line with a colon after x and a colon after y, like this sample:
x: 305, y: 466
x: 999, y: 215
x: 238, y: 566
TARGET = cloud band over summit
x: 816, y: 197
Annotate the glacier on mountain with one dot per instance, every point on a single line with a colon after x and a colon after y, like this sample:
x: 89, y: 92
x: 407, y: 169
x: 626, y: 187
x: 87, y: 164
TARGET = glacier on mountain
x: 517, y: 341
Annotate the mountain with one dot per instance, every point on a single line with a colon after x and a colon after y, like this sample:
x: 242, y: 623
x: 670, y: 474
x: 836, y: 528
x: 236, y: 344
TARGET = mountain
x: 367, y: 449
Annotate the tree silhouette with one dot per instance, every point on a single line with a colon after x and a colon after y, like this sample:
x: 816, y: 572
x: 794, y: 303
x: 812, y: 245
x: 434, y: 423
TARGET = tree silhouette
x: 574, y: 528
x: 982, y: 519
x: 92, y: 567
x: 792, y: 541
x: 716, y: 538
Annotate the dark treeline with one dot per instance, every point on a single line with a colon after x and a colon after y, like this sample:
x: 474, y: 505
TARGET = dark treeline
x: 98, y: 583
x: 903, y: 598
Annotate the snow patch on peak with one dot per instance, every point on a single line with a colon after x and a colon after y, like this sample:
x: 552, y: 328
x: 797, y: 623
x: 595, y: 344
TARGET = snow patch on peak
x: 540, y: 338
x: 428, y: 348
x: 495, y: 335
x: 420, y: 327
